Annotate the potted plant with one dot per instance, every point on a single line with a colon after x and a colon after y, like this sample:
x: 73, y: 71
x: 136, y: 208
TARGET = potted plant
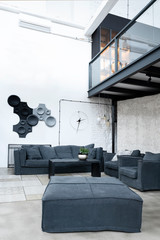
x: 83, y: 153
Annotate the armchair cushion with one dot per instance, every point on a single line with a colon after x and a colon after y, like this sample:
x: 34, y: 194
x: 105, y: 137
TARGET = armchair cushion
x: 130, y: 172
x: 151, y: 156
x: 48, y: 152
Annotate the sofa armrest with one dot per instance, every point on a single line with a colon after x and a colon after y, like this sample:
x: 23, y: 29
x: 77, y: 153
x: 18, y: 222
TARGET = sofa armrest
x: 17, y: 165
x: 149, y: 173
x: 108, y: 156
x: 20, y: 155
x: 127, y: 161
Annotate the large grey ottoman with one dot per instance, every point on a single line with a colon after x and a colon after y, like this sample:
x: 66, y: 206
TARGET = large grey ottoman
x: 72, y: 204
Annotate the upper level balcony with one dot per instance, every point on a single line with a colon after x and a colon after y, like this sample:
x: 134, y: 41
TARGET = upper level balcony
x: 129, y: 66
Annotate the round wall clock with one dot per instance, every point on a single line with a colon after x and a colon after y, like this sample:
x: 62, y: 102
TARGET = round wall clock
x: 79, y: 120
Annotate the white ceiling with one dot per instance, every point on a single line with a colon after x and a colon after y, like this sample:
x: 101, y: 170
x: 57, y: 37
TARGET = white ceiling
x: 78, y: 12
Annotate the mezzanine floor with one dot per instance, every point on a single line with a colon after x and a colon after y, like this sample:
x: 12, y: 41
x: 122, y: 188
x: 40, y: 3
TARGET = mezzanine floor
x: 20, y: 212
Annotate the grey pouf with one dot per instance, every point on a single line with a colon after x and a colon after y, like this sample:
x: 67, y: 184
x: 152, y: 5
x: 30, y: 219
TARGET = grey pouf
x: 72, y: 204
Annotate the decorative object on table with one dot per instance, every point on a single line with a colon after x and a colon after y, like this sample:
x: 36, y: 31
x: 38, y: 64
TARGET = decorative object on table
x: 29, y: 117
x: 83, y: 153
x: 79, y: 120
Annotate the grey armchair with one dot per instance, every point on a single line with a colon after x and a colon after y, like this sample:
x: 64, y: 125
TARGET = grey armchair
x: 111, y: 167
x: 139, y: 173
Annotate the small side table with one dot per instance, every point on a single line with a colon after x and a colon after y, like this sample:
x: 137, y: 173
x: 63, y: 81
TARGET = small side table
x: 95, y: 169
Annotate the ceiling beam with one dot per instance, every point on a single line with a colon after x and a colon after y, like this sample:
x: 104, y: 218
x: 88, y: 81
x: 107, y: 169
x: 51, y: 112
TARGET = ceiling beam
x: 152, y: 71
x: 131, y: 92
x: 141, y: 83
x: 99, y: 16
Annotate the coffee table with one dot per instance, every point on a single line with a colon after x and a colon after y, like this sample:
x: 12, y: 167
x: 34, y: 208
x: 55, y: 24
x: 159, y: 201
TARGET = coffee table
x: 95, y: 165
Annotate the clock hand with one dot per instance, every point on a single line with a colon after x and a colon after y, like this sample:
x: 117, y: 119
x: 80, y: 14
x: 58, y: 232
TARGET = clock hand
x: 78, y: 126
x: 83, y: 119
x: 80, y: 120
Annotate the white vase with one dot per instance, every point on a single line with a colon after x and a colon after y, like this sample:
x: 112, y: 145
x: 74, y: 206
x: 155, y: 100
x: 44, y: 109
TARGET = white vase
x: 82, y: 156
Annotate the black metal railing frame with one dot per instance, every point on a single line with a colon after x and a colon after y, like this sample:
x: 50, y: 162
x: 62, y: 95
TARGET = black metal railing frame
x: 116, y: 39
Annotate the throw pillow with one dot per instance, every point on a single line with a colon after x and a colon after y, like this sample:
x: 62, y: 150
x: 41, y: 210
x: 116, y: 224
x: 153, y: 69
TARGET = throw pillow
x: 89, y: 146
x: 48, y: 152
x: 122, y: 152
x: 136, y: 153
x: 151, y: 156
x: 33, y: 153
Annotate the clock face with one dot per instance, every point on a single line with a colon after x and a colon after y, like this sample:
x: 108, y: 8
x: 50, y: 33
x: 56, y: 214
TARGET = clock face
x: 79, y: 120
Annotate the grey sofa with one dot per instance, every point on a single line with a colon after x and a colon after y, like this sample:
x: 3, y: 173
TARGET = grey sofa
x: 34, y: 159
x: 111, y: 167
x: 140, y: 173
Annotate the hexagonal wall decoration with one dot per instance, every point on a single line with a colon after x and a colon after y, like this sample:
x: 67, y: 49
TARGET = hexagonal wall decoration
x: 29, y: 117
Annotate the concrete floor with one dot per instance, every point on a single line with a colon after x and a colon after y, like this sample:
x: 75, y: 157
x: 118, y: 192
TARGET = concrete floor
x: 20, y: 212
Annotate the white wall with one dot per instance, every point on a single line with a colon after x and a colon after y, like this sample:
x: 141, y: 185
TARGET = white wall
x: 139, y: 124
x: 40, y: 68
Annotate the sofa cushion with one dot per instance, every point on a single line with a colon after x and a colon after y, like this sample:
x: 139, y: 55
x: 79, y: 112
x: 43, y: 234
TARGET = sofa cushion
x: 151, y: 156
x: 48, y: 152
x: 92, y: 153
x: 33, y: 153
x: 63, y: 152
x: 111, y: 165
x: 41, y: 163
x: 89, y: 146
x: 130, y: 172
x: 75, y: 150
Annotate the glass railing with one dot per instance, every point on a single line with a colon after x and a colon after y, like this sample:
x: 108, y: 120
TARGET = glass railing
x: 140, y: 36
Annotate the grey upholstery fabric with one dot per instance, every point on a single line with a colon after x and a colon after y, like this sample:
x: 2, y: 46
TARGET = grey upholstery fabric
x: 136, y: 153
x: 48, y: 152
x: 38, y: 166
x: 112, y: 165
x: 63, y: 152
x: 43, y: 163
x: 72, y: 204
x: 92, y: 153
x: 22, y: 157
x: 33, y: 153
x: 151, y: 156
x: 75, y: 150
x: 148, y: 173
x: 112, y: 170
x: 89, y: 145
x: 129, y: 171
